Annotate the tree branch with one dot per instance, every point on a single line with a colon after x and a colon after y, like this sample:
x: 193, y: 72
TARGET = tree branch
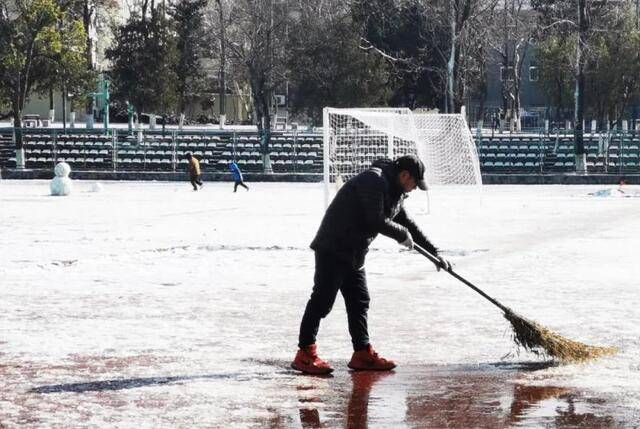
x: 379, y: 51
x: 562, y: 21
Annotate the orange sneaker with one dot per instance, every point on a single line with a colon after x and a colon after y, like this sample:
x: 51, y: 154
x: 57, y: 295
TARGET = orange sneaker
x: 307, y: 361
x: 368, y: 359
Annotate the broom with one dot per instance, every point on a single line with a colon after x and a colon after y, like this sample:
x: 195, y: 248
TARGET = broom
x: 532, y: 336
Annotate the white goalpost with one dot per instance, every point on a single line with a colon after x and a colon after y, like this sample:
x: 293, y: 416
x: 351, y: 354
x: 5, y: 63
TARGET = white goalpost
x: 355, y: 137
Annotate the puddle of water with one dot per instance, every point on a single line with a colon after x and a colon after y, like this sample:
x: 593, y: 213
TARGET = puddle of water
x: 448, y: 396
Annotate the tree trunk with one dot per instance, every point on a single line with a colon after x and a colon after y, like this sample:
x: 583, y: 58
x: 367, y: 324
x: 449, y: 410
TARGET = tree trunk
x: 504, y: 78
x: 515, y: 105
x: 87, y: 14
x: 17, y: 126
x: 181, y: 98
x: 580, y: 158
x: 17, y: 133
x: 51, y: 105
x: 64, y: 107
x: 145, y: 5
x: 223, y: 60
x: 520, y: 54
x: 451, y: 62
x: 517, y: 86
x: 483, y: 90
x: 516, y: 109
x: 558, y: 100
x: 262, y: 119
x: 266, y: 134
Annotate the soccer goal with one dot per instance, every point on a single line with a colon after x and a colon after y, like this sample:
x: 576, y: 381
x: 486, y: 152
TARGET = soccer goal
x: 354, y: 138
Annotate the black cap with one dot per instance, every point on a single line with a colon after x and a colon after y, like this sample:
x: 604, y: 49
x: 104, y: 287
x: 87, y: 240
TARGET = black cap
x: 415, y: 167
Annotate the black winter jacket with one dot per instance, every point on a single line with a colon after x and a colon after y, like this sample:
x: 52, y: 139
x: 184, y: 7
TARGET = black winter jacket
x: 368, y: 204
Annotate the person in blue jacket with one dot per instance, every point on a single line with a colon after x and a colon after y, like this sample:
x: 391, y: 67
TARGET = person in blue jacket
x: 237, y: 177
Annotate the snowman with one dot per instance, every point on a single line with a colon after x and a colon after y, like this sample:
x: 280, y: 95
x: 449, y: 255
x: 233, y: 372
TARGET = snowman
x: 61, y: 184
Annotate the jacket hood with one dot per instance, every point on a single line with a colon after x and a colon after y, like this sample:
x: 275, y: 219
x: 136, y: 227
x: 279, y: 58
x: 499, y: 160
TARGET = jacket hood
x: 382, y: 163
x: 390, y: 172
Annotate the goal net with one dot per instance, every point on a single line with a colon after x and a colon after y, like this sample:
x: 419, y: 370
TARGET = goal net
x: 354, y: 138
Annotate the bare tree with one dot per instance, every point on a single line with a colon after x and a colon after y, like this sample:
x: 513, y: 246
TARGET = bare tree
x: 449, y: 46
x: 254, y: 44
x: 330, y: 63
x: 511, y: 39
x: 613, y: 84
x: 465, y: 32
x: 92, y: 11
x: 223, y: 58
x: 581, y: 20
x: 474, y: 51
x: 583, y: 28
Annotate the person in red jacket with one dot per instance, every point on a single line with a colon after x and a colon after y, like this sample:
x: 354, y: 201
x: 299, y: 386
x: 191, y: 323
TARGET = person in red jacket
x: 369, y: 204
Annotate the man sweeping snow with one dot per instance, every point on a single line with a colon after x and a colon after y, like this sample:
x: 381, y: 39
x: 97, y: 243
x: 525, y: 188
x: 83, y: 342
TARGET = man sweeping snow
x: 369, y: 204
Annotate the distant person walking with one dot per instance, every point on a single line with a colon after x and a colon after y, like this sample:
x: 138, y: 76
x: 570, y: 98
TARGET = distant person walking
x: 194, y: 171
x: 237, y: 177
x: 495, y: 123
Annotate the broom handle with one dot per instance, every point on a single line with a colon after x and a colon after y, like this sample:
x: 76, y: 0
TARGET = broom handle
x: 436, y: 261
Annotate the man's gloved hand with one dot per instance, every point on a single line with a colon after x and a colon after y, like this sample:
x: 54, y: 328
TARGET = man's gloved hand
x: 443, y: 263
x: 408, y: 243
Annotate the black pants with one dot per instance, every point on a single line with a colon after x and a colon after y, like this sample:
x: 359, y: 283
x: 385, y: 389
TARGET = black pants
x: 195, y: 180
x: 333, y: 275
x: 240, y: 183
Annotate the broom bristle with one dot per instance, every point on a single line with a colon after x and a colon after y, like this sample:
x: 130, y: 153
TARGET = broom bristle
x: 534, y: 337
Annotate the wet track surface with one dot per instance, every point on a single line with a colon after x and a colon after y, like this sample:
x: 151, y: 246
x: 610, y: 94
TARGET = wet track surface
x: 412, y: 396
x: 482, y: 396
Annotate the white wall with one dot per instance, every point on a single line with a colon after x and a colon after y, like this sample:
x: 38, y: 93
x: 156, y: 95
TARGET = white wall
x: 39, y: 104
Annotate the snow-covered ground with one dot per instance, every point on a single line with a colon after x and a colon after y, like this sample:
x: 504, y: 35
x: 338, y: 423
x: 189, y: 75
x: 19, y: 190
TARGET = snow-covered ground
x: 149, y: 305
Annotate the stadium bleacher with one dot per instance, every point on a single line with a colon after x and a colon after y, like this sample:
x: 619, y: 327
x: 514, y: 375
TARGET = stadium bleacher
x: 292, y: 152
x: 555, y: 154
x: 296, y: 152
